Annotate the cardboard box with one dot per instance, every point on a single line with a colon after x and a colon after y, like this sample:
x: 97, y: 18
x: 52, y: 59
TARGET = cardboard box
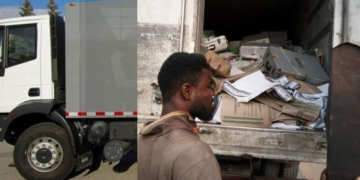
x: 218, y: 83
x: 218, y: 65
x: 296, y: 110
x: 277, y: 116
x: 305, y: 87
x: 251, y: 114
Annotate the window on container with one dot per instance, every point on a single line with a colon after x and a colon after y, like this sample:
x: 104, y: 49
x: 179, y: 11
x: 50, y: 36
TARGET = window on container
x: 22, y: 41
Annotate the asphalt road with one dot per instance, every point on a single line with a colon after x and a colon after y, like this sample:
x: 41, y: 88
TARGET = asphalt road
x: 124, y: 171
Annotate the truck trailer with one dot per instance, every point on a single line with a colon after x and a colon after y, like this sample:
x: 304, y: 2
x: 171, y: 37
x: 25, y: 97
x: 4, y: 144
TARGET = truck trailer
x: 68, y: 91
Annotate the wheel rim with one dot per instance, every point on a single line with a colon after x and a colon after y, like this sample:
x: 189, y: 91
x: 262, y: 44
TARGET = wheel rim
x: 45, y: 154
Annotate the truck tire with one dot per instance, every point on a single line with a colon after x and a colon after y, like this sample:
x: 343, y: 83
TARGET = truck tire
x: 43, y: 152
x: 289, y: 170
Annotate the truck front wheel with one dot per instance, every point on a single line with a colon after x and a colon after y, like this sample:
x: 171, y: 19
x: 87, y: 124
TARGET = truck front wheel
x: 43, y: 152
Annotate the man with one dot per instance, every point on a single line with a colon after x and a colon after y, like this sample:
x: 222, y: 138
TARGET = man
x: 169, y: 148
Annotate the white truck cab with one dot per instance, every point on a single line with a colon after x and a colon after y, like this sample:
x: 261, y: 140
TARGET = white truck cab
x: 25, y: 61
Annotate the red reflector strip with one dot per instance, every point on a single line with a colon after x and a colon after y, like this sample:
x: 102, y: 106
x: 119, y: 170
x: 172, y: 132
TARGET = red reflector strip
x: 118, y: 113
x: 100, y: 113
x: 82, y: 113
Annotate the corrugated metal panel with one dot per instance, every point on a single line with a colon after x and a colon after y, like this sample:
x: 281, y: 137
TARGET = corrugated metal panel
x: 102, y: 57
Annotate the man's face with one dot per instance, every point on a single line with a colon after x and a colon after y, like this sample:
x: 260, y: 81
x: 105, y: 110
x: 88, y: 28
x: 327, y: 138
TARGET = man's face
x: 202, y: 104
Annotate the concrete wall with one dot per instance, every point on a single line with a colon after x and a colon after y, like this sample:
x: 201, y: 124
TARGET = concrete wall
x: 159, y: 27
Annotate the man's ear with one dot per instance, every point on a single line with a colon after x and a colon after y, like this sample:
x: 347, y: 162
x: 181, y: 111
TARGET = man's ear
x: 187, y: 91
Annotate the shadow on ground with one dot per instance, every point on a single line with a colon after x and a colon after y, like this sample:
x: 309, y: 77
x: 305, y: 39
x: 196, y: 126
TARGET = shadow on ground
x: 126, y: 162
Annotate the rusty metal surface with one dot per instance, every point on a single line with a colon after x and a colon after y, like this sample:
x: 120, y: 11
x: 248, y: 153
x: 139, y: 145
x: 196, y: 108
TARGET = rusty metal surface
x: 343, y: 120
x: 264, y: 143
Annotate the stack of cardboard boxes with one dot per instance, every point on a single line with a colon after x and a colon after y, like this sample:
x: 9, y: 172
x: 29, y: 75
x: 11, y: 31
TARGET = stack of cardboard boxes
x: 280, y: 88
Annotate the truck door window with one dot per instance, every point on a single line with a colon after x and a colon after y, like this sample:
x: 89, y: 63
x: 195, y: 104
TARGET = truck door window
x: 22, y: 44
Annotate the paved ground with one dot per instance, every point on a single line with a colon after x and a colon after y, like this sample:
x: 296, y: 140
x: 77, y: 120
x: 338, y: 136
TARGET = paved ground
x: 116, y: 171
x: 310, y: 171
x: 105, y: 171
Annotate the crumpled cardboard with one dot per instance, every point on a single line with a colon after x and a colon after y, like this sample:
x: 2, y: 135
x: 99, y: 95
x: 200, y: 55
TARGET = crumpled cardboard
x: 250, y: 114
x: 296, y: 110
x: 218, y: 85
x: 220, y: 67
x: 311, y: 112
x: 305, y: 87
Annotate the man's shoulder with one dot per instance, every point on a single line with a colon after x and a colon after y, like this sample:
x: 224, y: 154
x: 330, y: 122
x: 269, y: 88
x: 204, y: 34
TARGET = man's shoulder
x: 192, y: 148
x: 198, y: 155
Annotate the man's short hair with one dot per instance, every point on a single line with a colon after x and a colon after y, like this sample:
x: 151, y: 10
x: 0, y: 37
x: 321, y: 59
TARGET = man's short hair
x: 178, y: 69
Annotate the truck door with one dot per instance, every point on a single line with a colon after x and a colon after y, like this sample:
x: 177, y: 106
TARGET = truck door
x: 21, y: 77
x: 343, y: 120
x: 1, y: 56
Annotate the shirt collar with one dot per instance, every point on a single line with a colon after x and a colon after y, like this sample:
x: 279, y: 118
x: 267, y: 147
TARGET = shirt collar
x: 166, y: 116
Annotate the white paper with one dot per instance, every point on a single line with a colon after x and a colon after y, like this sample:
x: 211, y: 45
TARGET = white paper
x: 235, y: 71
x: 311, y: 101
x: 281, y: 80
x: 318, y: 124
x: 324, y: 89
x: 255, y: 84
x: 283, y: 93
x: 280, y: 125
x: 323, y: 110
x: 291, y: 85
x: 311, y: 124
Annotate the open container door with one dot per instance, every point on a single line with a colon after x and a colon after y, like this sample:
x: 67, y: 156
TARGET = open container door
x: 329, y: 27
x: 343, y: 118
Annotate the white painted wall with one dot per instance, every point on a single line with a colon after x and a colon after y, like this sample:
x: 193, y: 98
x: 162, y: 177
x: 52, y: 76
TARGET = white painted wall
x: 159, y: 24
x: 350, y: 31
